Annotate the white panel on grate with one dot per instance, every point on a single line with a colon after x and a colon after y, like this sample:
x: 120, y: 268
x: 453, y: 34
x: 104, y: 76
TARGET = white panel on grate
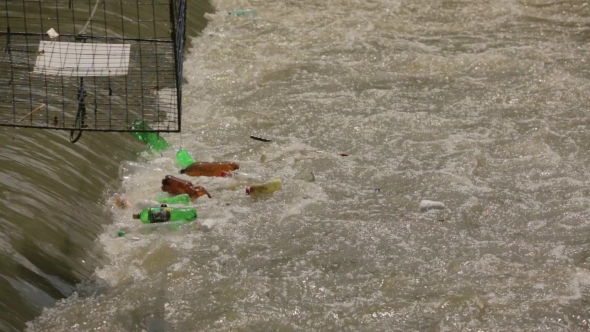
x: 82, y: 59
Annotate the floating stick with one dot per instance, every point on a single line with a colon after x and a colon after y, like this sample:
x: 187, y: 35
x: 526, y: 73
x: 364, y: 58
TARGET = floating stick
x: 260, y: 139
x: 31, y: 112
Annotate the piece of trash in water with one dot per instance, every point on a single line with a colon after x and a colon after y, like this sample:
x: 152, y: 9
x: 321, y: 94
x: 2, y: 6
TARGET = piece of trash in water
x: 165, y: 213
x: 31, y: 112
x: 260, y: 138
x: 343, y: 154
x: 305, y: 175
x: 177, y: 186
x: 150, y: 138
x: 209, y: 168
x: 129, y: 169
x: 426, y: 205
x: 183, y: 199
x: 122, y: 202
x: 267, y: 187
x: 184, y: 159
x: 207, y: 225
x: 52, y: 33
x: 146, y: 204
x: 242, y: 12
x: 237, y: 175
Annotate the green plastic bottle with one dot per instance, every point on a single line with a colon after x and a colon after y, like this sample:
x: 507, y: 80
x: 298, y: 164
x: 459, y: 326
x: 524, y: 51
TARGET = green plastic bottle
x: 242, y: 12
x: 183, y: 158
x: 184, y: 199
x: 164, y: 214
x: 151, y: 139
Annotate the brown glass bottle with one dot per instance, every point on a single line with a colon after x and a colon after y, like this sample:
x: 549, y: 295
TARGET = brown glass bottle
x: 176, y: 186
x: 209, y: 169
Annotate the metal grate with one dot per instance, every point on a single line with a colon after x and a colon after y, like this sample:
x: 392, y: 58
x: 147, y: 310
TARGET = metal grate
x: 97, y: 65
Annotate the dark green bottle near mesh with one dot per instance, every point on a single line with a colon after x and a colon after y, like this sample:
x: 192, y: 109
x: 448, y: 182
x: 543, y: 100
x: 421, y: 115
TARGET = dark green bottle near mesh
x: 152, y: 140
x: 164, y: 214
x: 183, y: 158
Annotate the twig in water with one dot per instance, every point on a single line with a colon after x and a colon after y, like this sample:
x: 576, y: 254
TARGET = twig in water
x: 31, y: 112
x: 260, y: 139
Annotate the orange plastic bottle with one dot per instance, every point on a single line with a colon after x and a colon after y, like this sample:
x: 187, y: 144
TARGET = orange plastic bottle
x: 176, y: 186
x: 209, y: 169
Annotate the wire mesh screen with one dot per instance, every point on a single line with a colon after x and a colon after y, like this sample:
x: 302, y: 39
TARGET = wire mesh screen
x: 96, y: 65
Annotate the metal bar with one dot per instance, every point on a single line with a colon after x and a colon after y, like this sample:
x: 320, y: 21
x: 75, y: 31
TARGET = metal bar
x: 157, y: 40
x: 140, y: 62
x: 98, y: 130
x: 28, y: 59
x: 126, y: 77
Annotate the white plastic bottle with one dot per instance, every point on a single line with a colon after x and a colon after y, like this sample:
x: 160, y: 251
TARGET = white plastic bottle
x: 242, y: 176
x: 145, y: 204
x: 128, y: 169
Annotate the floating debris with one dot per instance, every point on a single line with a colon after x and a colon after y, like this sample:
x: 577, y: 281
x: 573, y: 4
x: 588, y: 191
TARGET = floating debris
x: 305, y: 175
x: 267, y: 187
x: 122, y: 202
x: 426, y: 205
x: 31, y: 112
x: 184, y: 158
x: 210, y: 168
x: 52, y: 33
x: 260, y: 139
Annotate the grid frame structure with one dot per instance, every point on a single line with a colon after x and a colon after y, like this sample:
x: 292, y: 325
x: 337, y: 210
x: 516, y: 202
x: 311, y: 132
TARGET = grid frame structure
x: 92, y: 65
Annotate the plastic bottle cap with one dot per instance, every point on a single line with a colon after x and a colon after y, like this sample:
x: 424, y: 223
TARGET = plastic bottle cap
x: 223, y: 174
x: 247, y: 190
x: 120, y: 233
x: 136, y: 216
